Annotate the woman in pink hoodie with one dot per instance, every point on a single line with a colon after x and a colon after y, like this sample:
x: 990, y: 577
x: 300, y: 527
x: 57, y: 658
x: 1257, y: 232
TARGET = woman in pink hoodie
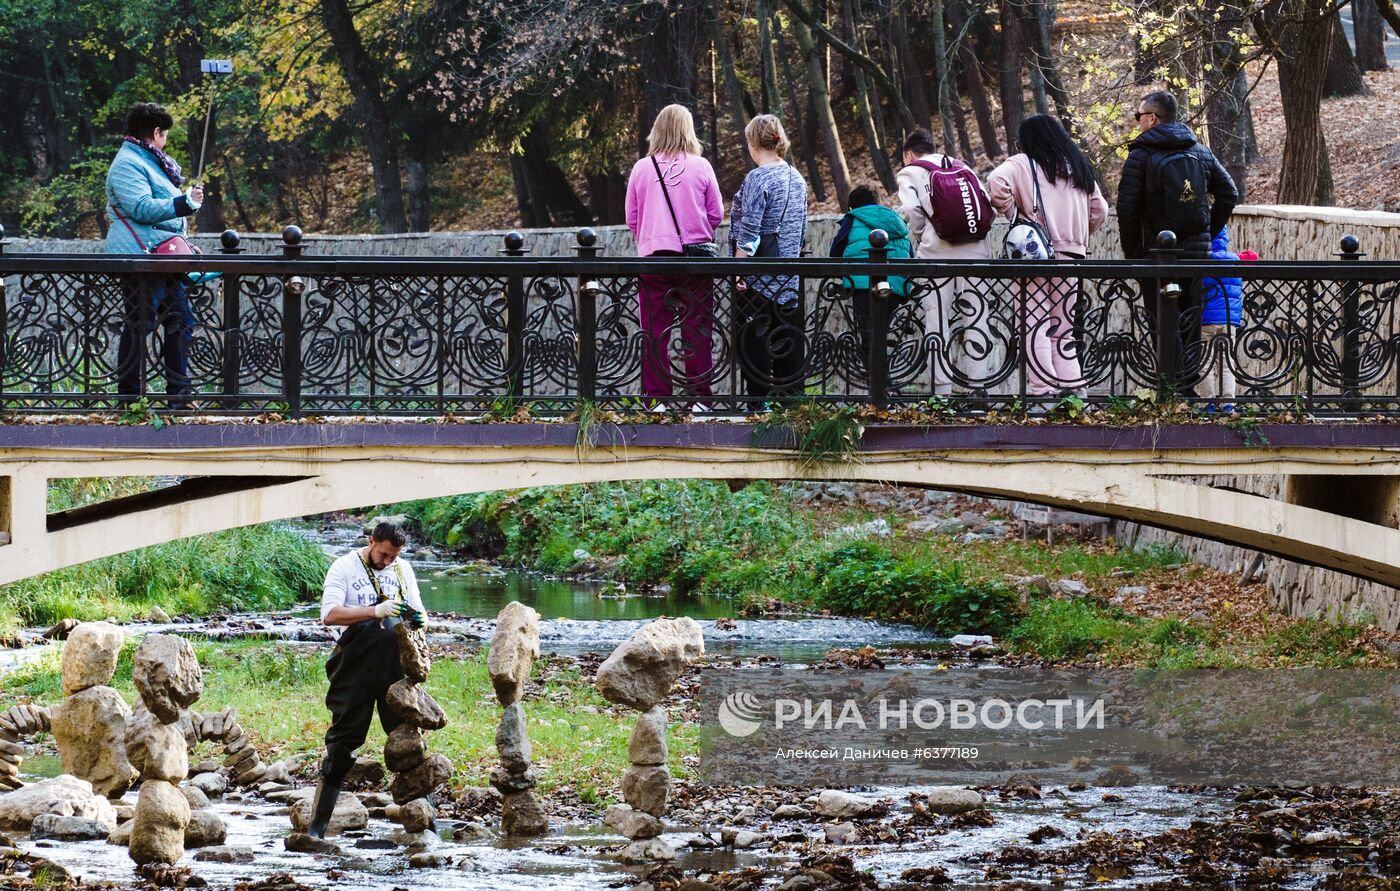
x: 1070, y: 207
x: 673, y: 200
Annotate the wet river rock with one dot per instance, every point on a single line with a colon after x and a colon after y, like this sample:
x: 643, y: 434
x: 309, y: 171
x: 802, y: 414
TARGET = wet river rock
x: 412, y: 703
x: 642, y: 670
x: 416, y: 816
x: 645, y: 788
x: 511, y: 740
x: 521, y: 815
x: 349, y: 814
x: 90, y: 729
x: 63, y: 795
x: 205, y: 829
x: 515, y: 646
x: 167, y: 675
x: 413, y: 651
x: 145, y: 735
x: 405, y: 749
x: 158, y: 829
x: 90, y: 656
x: 421, y: 780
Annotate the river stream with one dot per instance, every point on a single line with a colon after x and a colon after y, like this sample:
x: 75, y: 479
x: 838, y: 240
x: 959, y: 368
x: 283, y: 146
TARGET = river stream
x: 583, y: 617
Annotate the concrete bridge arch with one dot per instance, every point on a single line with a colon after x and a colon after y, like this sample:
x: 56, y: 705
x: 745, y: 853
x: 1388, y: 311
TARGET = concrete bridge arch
x: 1339, y: 513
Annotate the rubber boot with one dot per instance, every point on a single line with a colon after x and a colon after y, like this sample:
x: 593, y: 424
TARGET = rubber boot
x: 323, y: 807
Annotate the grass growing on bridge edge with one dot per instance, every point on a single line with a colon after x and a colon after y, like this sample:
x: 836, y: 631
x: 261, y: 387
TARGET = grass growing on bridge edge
x: 278, y: 689
x: 254, y: 568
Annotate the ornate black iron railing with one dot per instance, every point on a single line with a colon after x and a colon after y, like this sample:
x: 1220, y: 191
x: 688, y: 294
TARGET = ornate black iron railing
x: 306, y: 335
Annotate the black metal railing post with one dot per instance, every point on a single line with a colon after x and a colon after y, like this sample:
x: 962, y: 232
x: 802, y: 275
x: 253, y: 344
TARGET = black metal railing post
x: 1351, y: 322
x: 292, y: 292
x: 1168, y: 314
x: 4, y: 321
x: 232, y: 338
x: 586, y: 319
x: 877, y: 333
x: 515, y: 320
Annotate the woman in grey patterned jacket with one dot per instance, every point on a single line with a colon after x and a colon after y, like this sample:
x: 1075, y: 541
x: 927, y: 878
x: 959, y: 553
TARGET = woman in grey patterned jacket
x: 769, y: 221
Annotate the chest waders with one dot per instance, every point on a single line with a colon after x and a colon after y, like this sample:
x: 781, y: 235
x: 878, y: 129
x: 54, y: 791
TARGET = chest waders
x: 361, y: 670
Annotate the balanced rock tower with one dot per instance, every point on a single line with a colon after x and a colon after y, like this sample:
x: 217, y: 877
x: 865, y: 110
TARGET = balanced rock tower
x: 639, y: 674
x: 514, y: 648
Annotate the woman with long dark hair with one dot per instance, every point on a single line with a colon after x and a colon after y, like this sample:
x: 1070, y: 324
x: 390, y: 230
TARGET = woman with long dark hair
x: 1051, y: 183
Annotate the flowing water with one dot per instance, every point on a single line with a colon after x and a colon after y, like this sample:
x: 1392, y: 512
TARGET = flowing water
x: 580, y: 617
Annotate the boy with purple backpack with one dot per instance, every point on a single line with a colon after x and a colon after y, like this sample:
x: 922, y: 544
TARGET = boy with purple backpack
x: 949, y: 217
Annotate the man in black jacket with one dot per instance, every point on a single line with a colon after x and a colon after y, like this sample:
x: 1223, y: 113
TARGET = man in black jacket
x: 1169, y: 181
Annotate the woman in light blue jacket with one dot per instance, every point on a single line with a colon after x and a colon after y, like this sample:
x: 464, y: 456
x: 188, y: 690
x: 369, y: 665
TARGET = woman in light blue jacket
x: 146, y: 206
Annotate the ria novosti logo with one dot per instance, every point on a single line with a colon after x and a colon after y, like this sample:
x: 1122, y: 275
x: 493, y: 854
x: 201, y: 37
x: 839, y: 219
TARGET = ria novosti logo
x: 740, y: 713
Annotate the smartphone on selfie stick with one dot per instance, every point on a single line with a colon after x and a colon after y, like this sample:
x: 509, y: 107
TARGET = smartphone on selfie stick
x: 215, y: 68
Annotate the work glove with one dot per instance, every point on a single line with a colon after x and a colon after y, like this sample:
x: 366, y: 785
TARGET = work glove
x: 415, y: 618
x: 386, y: 609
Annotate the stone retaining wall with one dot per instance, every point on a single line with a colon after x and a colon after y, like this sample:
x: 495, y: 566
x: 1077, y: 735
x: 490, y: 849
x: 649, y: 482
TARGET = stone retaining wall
x: 1276, y: 232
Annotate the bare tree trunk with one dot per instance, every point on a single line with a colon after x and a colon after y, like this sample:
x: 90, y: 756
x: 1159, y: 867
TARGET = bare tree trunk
x: 971, y: 72
x: 1225, y: 99
x: 816, y: 82
x: 943, y: 84
x: 417, y: 174
x: 1343, y: 75
x: 1300, y: 33
x: 731, y: 78
x: 862, y: 60
x: 768, y: 77
x: 1036, y: 27
x: 668, y: 58
x: 874, y: 137
x: 381, y: 137
x: 1370, y: 35
x: 1013, y: 97
x: 913, y: 80
x: 1390, y: 14
x: 807, y: 144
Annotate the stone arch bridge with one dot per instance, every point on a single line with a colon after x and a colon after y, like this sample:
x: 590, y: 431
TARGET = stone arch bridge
x: 1339, y: 511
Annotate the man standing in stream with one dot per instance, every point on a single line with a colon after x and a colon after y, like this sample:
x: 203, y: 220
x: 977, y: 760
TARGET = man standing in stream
x: 367, y: 592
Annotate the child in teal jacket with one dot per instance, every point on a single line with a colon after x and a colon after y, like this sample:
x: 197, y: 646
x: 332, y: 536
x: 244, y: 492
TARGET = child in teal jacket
x: 853, y: 237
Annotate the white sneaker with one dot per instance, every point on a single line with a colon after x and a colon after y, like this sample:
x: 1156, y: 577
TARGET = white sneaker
x: 699, y: 408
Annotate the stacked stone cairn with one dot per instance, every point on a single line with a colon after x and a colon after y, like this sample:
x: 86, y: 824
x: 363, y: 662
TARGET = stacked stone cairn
x: 169, y: 681
x: 514, y: 648
x: 19, y: 723
x: 90, y: 724
x: 417, y: 774
x: 245, y: 765
x: 639, y: 674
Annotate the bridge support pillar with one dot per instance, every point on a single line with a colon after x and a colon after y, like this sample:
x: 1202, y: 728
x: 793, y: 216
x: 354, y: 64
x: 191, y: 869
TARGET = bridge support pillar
x: 23, y: 507
x: 1370, y: 499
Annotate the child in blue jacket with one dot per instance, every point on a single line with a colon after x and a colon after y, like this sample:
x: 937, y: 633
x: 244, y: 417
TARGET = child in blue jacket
x: 1222, y: 308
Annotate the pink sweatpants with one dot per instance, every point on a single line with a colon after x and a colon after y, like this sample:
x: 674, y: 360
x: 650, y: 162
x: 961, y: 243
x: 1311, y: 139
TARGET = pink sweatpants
x: 1052, y: 364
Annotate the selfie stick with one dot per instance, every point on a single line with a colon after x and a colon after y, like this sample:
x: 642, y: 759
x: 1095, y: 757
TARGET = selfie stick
x: 215, y: 67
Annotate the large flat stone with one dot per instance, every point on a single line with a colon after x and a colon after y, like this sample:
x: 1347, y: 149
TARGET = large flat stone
x: 64, y: 795
x: 642, y: 670
x: 412, y: 703
x: 421, y: 781
x: 349, y: 814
